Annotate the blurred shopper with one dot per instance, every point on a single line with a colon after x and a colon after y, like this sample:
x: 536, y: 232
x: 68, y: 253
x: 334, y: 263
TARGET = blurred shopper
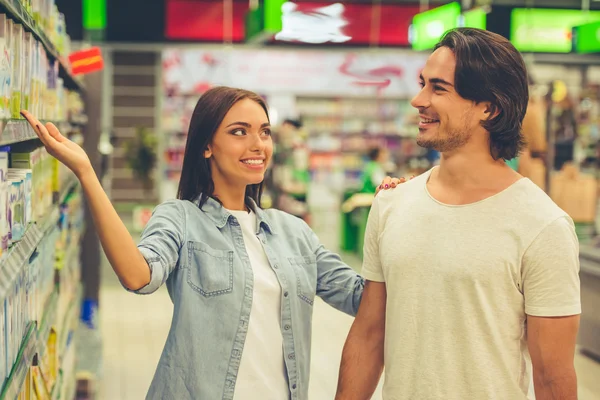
x: 242, y: 280
x: 290, y: 174
x: 471, y: 269
x: 374, y: 172
x: 531, y: 160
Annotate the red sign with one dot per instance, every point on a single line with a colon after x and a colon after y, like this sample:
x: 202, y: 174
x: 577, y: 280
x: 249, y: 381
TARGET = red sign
x: 352, y: 23
x: 203, y: 20
x: 86, y: 61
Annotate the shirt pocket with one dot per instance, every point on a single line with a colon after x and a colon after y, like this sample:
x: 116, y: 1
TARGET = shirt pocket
x: 305, y: 269
x: 210, y: 271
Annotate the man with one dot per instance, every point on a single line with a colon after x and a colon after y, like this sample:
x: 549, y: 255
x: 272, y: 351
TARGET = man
x: 472, y: 270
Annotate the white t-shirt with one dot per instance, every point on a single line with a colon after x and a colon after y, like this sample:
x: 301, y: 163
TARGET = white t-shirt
x: 460, y: 281
x: 261, y: 375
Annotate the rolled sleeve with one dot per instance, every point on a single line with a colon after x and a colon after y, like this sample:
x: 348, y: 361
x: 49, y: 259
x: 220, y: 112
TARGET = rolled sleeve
x: 161, y: 243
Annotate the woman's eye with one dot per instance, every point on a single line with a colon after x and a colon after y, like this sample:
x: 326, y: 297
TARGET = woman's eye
x: 238, y: 132
x: 267, y: 132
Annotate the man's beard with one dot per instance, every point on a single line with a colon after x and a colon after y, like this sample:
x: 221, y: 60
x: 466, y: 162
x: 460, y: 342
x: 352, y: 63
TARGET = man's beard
x: 453, y: 139
x: 450, y: 142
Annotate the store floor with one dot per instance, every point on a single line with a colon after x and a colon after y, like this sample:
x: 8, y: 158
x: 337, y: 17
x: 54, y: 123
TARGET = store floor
x: 134, y: 329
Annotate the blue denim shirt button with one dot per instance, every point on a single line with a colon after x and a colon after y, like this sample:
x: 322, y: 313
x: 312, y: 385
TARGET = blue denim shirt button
x: 285, y: 294
x: 294, y: 386
x: 292, y: 356
x: 287, y: 327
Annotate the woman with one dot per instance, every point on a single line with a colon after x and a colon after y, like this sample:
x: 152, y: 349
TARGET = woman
x: 242, y: 280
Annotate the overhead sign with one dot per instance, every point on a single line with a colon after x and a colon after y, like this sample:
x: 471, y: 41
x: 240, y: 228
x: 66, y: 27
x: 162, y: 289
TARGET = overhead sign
x: 335, y: 23
x: 302, y: 72
x: 475, y: 18
x: 547, y: 30
x: 586, y: 38
x: 86, y: 61
x: 428, y: 27
x: 322, y: 25
x: 205, y: 21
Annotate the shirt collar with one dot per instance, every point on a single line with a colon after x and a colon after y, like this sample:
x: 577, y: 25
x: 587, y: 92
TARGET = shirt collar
x: 219, y: 214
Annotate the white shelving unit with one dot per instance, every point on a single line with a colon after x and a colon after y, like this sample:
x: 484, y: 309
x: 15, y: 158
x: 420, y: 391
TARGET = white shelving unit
x: 59, y: 229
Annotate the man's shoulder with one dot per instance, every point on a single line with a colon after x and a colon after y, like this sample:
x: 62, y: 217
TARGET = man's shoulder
x: 407, y: 190
x: 533, y: 203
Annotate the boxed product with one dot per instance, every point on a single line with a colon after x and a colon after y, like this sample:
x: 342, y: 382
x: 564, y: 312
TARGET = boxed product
x: 3, y: 370
x: 17, y: 70
x: 5, y: 64
x: 27, y: 70
x: 8, y: 333
x: 16, y: 206
x: 30, y: 162
x: 4, y: 189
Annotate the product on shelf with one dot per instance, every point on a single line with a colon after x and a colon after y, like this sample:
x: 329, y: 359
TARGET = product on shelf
x: 4, y: 368
x: 17, y: 69
x: 5, y: 67
x: 16, y: 203
x: 4, y: 225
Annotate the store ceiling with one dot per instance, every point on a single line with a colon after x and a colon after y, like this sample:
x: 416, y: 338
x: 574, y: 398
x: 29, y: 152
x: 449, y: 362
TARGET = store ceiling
x: 126, y: 23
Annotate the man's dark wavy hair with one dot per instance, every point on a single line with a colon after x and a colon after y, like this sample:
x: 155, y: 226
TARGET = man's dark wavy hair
x: 490, y: 69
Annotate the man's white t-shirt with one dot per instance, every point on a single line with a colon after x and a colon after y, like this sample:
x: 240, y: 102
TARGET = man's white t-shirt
x: 261, y: 375
x: 460, y: 281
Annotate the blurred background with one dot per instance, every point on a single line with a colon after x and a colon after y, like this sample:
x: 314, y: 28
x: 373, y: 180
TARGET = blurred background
x: 121, y: 78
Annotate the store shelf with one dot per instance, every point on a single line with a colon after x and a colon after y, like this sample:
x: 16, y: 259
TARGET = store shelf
x: 48, y: 319
x: 17, y: 12
x: 589, y: 260
x: 69, y: 323
x: 20, y: 253
x: 14, y: 383
x: 18, y: 130
x: 15, y: 131
x: 66, y: 340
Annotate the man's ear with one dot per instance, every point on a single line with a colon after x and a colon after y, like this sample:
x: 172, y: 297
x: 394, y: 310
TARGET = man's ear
x: 491, y: 111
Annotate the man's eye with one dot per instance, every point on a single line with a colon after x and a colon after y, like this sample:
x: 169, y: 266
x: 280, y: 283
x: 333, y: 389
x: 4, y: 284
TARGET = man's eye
x: 438, y: 88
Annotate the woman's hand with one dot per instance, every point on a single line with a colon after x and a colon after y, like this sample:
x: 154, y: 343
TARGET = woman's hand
x: 390, y: 183
x: 59, y: 147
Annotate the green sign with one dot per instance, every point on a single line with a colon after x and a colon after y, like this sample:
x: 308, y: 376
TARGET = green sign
x: 546, y: 30
x: 429, y: 26
x: 587, y: 38
x: 94, y: 14
x: 273, y: 15
x: 264, y: 21
x: 475, y: 18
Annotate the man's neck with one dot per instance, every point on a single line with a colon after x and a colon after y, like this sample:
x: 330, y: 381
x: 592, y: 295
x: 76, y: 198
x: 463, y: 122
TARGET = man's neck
x: 469, y: 169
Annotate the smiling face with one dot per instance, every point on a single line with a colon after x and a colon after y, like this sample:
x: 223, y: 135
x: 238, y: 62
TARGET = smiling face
x: 447, y: 120
x: 241, y: 148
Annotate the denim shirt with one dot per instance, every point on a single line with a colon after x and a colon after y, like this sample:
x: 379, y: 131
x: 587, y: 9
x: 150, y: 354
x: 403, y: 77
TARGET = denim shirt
x: 201, y: 256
